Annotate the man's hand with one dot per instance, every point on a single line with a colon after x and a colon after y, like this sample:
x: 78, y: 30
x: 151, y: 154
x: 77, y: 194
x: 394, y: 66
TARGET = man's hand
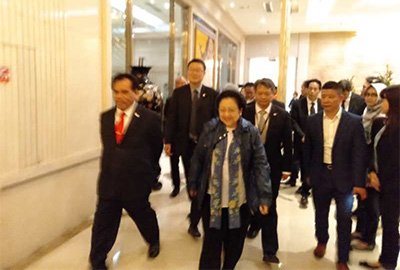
x: 374, y: 181
x: 167, y: 149
x: 192, y: 193
x: 362, y: 192
x: 263, y: 209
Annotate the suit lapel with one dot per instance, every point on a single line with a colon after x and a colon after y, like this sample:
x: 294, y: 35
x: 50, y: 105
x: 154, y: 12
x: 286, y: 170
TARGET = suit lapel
x: 303, y: 105
x: 272, y: 117
x: 341, y: 129
x: 136, y: 116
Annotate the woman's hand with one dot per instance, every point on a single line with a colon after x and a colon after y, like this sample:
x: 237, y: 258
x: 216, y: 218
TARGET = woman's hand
x: 263, y: 209
x: 374, y: 181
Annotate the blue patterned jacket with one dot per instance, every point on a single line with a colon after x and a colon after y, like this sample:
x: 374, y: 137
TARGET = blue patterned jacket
x: 255, y: 166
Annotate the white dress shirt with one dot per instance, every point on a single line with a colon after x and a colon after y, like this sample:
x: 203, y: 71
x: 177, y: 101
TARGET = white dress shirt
x: 128, y: 115
x: 347, y: 102
x: 329, y: 129
x: 257, y: 119
x: 309, y: 105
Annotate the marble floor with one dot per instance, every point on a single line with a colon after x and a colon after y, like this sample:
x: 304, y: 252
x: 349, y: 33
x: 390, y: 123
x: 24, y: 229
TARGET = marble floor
x: 181, y: 251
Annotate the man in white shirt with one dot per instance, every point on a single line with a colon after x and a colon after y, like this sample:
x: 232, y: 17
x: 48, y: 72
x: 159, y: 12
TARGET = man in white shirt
x: 335, y: 155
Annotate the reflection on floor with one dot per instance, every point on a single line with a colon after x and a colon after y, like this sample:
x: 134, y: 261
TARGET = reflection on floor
x: 180, y: 251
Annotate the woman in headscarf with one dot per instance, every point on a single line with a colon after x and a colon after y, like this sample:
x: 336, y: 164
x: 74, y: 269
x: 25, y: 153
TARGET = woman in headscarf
x: 229, y: 174
x: 385, y: 177
x: 368, y: 210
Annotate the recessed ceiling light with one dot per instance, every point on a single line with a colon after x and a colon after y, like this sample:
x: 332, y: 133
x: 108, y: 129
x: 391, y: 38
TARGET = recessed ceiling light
x: 152, y: 2
x: 166, y: 5
x: 232, y: 4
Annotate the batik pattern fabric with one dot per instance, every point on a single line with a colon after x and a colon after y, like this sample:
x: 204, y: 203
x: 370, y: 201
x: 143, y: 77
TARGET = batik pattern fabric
x: 215, y: 188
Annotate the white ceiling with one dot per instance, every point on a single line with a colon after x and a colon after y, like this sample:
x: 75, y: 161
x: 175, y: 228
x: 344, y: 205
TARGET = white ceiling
x: 252, y: 19
x: 313, y: 15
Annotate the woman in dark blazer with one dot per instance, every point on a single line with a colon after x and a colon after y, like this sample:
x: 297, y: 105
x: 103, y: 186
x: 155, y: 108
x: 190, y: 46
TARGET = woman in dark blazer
x: 229, y: 175
x: 368, y: 210
x: 386, y: 178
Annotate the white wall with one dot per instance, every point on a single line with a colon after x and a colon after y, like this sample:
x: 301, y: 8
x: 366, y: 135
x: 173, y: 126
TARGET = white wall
x: 268, y: 46
x: 49, y: 112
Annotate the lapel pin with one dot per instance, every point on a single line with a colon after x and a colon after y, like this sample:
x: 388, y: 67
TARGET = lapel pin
x: 204, y: 95
x: 137, y: 115
x: 274, y: 114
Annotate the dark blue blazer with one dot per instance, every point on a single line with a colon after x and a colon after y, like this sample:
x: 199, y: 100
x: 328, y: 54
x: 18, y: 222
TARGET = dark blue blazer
x: 279, y: 136
x: 129, y: 169
x: 178, y: 115
x: 349, y: 152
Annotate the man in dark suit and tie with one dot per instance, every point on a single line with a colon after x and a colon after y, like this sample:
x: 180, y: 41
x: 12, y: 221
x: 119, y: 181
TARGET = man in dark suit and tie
x: 174, y: 159
x: 301, y: 109
x: 275, y: 128
x: 335, y: 163
x: 191, y: 106
x: 132, y: 145
x: 352, y: 102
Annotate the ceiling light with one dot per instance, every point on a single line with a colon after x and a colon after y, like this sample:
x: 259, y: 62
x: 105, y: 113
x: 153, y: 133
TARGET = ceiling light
x: 232, y: 4
x: 152, y: 2
x: 166, y: 5
x: 146, y: 17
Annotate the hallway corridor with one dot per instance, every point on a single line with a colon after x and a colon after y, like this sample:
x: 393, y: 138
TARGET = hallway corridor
x: 180, y: 251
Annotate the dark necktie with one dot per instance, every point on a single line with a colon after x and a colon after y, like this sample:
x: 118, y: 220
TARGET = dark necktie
x: 312, y: 109
x: 192, y: 131
x: 119, y: 129
x: 343, y: 104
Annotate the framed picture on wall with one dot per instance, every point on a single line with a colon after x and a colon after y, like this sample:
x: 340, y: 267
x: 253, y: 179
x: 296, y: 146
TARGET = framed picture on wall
x: 205, y: 48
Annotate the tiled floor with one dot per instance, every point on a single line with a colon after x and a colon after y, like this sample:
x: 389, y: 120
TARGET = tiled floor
x: 180, y: 251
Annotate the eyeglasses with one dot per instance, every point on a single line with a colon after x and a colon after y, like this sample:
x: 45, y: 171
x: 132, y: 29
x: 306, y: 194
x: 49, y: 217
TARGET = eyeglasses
x: 371, y: 95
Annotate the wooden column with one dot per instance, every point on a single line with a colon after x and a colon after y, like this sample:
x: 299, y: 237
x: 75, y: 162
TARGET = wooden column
x: 128, y: 36
x: 284, y: 45
x: 172, y: 35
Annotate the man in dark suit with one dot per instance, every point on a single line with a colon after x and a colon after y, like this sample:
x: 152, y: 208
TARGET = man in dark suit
x: 276, y: 132
x: 335, y: 164
x: 132, y: 145
x: 301, y: 109
x: 352, y: 102
x: 174, y: 159
x: 192, y: 105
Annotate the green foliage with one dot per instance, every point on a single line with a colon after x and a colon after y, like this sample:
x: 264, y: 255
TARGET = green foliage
x: 386, y: 77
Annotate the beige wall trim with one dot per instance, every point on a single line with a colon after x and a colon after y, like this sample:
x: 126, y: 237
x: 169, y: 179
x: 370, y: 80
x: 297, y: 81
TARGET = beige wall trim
x: 11, y: 181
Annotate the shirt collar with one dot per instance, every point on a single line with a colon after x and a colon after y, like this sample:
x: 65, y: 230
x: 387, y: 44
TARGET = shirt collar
x: 197, y: 88
x: 268, y: 109
x: 349, y: 97
x: 337, y: 116
x: 309, y: 101
x: 129, y: 111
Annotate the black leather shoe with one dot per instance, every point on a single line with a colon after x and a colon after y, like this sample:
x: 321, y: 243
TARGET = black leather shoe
x: 174, y: 193
x: 101, y: 266
x: 252, y: 232
x: 154, y: 250
x: 303, y: 202
x: 194, y: 232
x: 270, y: 259
x: 156, y: 186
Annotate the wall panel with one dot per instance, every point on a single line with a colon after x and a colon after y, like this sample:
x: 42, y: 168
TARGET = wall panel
x: 34, y: 102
